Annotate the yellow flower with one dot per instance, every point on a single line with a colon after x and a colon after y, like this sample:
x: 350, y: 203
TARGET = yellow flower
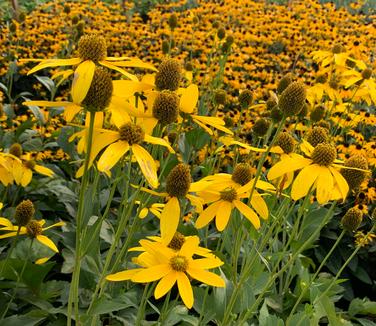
x: 318, y: 171
x: 176, y: 243
x: 23, y: 170
x: 225, y: 194
x: 33, y: 229
x: 170, y: 267
x: 366, y: 85
x: 92, y: 50
x: 155, y: 209
x: 6, y: 168
x: 188, y: 102
x: 129, y: 136
x: 178, y: 186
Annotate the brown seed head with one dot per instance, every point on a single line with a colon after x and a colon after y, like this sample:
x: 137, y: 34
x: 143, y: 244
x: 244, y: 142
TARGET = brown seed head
x: 131, y: 133
x: 169, y: 75
x: 92, y: 47
x: 292, y: 99
x: 324, y: 154
x: 178, y: 181
x: 24, y: 212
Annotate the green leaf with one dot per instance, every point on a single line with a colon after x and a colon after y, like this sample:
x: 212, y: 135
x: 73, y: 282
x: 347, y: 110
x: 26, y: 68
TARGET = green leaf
x: 362, y: 307
x: 105, y: 305
x: 33, y: 275
x: 362, y: 275
x: 21, y: 320
x: 46, y: 82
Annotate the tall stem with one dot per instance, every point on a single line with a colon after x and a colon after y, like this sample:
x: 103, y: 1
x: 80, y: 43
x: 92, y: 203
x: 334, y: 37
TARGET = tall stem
x: 73, y: 293
x: 316, y: 273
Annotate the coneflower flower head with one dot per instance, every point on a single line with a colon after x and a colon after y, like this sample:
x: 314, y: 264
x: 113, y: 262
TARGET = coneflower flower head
x: 169, y: 75
x: 24, y: 212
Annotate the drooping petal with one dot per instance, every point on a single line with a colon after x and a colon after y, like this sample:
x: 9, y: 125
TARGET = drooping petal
x: 61, y: 223
x: 5, y: 222
x: 214, y: 122
x: 54, y: 63
x: 151, y: 274
x: 196, y: 202
x: 185, y: 289
x: 111, y: 65
x: 112, y: 154
x: 303, y: 182
x: 135, y: 63
x: 159, y: 141
x: 170, y: 218
x: 165, y: 284
x: 207, y: 215
x: 325, y: 184
x: 206, y: 277
x: 189, y: 98
x: 259, y: 205
x: 124, y: 275
x: 126, y: 88
x: 43, y: 170
x: 83, y: 76
x: 223, y: 215
x: 287, y: 165
x: 248, y: 213
x: 47, y: 242
x: 340, y: 181
x: 26, y: 177
x: 147, y: 165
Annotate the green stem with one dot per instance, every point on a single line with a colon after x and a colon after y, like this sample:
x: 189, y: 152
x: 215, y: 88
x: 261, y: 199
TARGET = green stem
x: 73, y: 293
x: 252, y: 310
x: 19, y: 277
x: 342, y: 268
x: 316, y: 273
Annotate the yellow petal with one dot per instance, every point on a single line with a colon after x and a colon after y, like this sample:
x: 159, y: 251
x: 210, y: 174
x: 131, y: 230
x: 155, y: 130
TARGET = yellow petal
x: 325, y: 184
x: 47, y: 242
x: 151, y: 274
x: 170, y: 218
x: 124, y: 275
x: 303, y: 182
x: 112, y: 154
x: 206, y: 277
x: 5, y: 222
x: 165, y: 284
x: 26, y: 177
x: 205, y: 263
x: 43, y: 260
x: 61, y: 223
x: 126, y: 88
x: 340, y: 181
x: 214, y: 122
x: 71, y: 111
x: 259, y: 205
x: 55, y: 63
x: 248, y: 213
x: 111, y: 65
x: 135, y: 63
x: 223, y: 215
x: 83, y: 76
x: 43, y: 170
x: 189, y: 246
x: 48, y: 104
x: 158, y: 141
x: 147, y: 165
x: 189, y: 98
x: 207, y: 215
x: 185, y: 289
x: 287, y: 165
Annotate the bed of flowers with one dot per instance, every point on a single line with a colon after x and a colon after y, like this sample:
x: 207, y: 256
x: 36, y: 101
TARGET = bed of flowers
x: 187, y: 163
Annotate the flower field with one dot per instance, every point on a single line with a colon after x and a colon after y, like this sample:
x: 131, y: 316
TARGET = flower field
x: 187, y: 163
